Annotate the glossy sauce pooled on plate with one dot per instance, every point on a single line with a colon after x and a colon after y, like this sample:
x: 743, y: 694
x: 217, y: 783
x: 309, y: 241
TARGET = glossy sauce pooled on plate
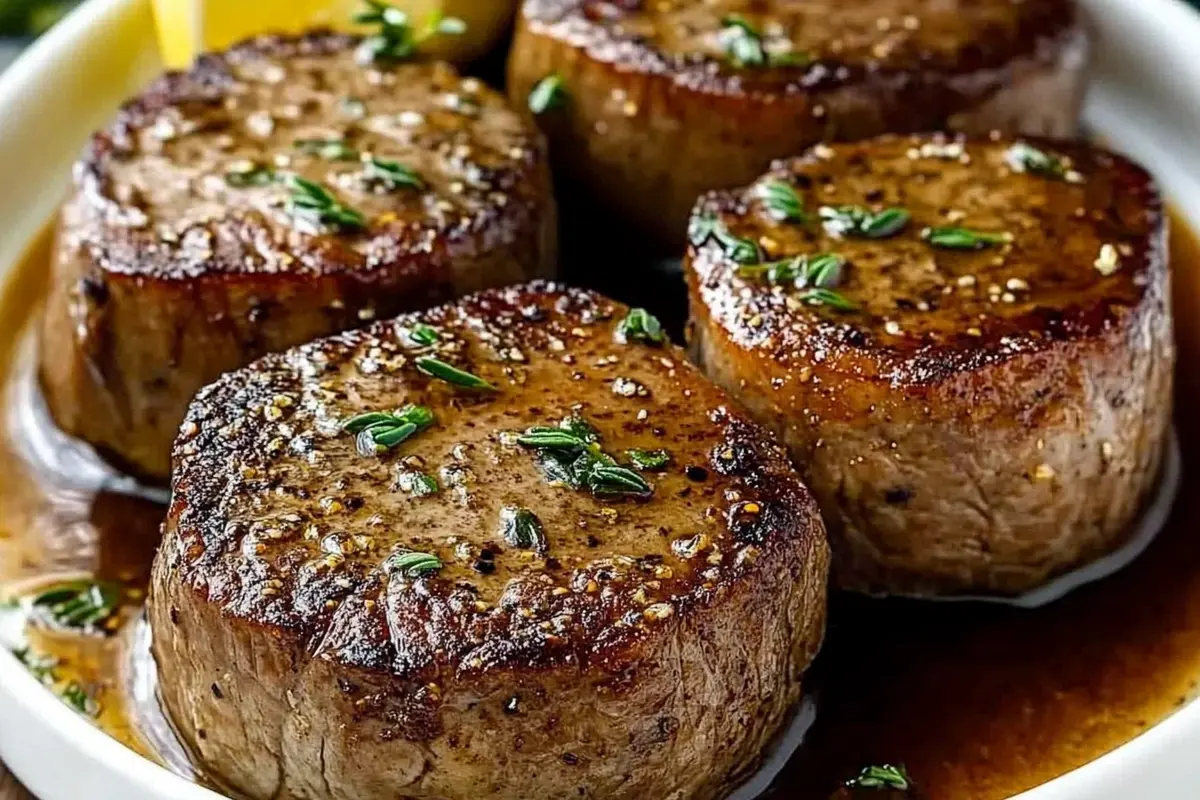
x: 975, y: 702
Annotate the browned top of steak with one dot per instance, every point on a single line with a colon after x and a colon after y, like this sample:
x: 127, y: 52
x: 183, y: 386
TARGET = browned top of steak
x: 1076, y: 250
x: 172, y: 188
x: 279, y: 521
x: 805, y: 44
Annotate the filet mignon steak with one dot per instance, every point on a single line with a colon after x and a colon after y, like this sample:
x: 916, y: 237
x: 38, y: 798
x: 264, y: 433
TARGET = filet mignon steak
x: 993, y: 409
x: 553, y: 562
x: 189, y: 247
x: 662, y: 100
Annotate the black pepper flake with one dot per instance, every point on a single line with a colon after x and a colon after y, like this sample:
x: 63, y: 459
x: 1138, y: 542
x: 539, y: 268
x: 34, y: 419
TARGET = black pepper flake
x: 484, y: 566
x: 898, y: 496
x: 570, y: 759
x: 217, y: 693
x: 695, y: 473
x: 592, y: 541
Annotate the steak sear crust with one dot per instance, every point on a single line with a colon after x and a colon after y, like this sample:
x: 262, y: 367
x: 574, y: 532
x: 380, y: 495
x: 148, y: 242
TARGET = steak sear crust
x: 179, y: 255
x: 631, y: 646
x: 985, y: 418
x: 661, y: 104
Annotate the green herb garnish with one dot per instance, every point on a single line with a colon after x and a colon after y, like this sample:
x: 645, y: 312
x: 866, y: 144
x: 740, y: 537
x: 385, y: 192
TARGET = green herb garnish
x: 782, y: 201
x: 313, y: 203
x: 521, y: 528
x: 424, y: 485
x: 822, y: 270
x: 827, y: 297
x: 962, y: 238
x: 649, y: 460
x: 744, y: 47
x: 571, y: 454
x: 424, y: 335
x: 885, y: 776
x: 393, y: 175
x: 77, y: 605
x: 74, y: 695
x: 413, y: 565
x: 640, y: 325
x: 863, y: 223
x: 377, y: 432
x: 547, y: 94
x: 1024, y: 157
x: 250, y: 175
x: 40, y: 666
x: 331, y: 149
x: 396, y: 39
x: 706, y: 226
x: 436, y: 368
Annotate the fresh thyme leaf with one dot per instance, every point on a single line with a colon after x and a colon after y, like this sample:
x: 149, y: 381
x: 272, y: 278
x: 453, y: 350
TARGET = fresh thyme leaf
x: 962, y: 238
x: 705, y: 226
x: 744, y: 46
x: 571, y: 454
x: 521, y: 528
x: 377, y: 432
x: 424, y: 484
x: 74, y: 695
x: 823, y: 270
x: 40, y: 666
x: 312, y: 202
x: 1024, y: 157
x: 860, y: 222
x: 782, y: 201
x: 250, y: 174
x: 549, y: 93
x: 77, y: 605
x: 437, y: 368
x: 413, y: 564
x: 331, y: 149
x: 392, y: 175
x: 884, y: 776
x: 424, y: 335
x: 640, y: 325
x: 396, y: 40
x: 649, y: 460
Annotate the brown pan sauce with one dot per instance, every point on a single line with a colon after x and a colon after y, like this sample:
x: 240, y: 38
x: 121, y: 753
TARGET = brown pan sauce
x: 976, y: 702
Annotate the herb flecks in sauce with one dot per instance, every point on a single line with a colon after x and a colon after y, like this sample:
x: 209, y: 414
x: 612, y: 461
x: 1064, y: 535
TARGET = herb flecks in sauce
x: 521, y: 528
x: 396, y: 39
x: 571, y: 454
x: 963, y: 238
x: 859, y: 222
x: 549, y: 93
x: 378, y: 432
x: 436, y: 368
x: 640, y: 325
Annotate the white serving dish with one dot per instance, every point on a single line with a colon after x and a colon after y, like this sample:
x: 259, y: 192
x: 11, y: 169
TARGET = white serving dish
x: 1146, y: 101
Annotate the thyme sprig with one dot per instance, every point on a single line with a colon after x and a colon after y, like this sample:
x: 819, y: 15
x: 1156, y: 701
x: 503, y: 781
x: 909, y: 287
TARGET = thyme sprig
x: 1024, y: 157
x: 549, y: 93
x: 77, y: 605
x: 392, y: 175
x: 640, y: 325
x: 815, y: 276
x: 649, y: 460
x: 884, y: 776
x: 412, y: 564
x: 315, y: 204
x: 782, y: 201
x: 378, y: 432
x: 396, y: 39
x: 436, y: 368
x: 963, y: 238
x: 424, y: 335
x: 860, y: 222
x: 571, y: 454
x: 706, y: 226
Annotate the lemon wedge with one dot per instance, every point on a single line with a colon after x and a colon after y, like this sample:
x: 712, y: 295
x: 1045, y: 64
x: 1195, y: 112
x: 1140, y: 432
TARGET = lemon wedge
x: 189, y: 27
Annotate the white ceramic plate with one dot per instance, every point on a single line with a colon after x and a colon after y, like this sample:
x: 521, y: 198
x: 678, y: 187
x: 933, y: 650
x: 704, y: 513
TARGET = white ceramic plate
x: 1146, y: 101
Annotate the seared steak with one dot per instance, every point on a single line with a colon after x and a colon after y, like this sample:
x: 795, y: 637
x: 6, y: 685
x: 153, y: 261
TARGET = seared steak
x: 436, y: 601
x: 664, y: 99
x: 993, y: 410
x: 188, y: 247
